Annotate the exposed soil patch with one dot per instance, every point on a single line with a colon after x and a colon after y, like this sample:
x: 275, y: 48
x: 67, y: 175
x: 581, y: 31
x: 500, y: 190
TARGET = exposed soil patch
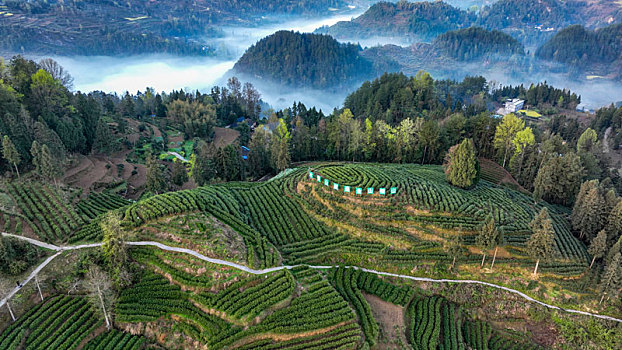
x: 542, y: 333
x: 93, y: 171
x: 390, y: 318
x: 224, y: 136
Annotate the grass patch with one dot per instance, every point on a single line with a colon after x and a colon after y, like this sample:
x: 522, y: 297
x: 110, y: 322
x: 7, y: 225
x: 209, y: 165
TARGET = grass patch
x: 530, y: 113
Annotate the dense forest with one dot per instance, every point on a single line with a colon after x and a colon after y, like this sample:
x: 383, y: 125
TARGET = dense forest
x: 394, y: 118
x: 133, y: 27
x: 400, y: 119
x: 530, y: 21
x: 15, y: 38
x: 40, y: 111
x: 420, y: 20
x: 528, y: 13
x: 539, y: 95
x: 305, y: 60
x: 579, y: 46
x: 475, y: 42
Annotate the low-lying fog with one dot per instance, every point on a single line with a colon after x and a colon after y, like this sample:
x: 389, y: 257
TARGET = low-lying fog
x: 166, y: 73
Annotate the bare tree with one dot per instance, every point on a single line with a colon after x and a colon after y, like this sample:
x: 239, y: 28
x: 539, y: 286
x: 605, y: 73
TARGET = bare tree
x: 38, y: 287
x: 4, y: 291
x: 99, y: 286
x: 57, y: 72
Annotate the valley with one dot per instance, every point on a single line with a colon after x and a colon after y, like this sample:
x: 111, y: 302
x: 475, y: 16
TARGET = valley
x: 317, y: 175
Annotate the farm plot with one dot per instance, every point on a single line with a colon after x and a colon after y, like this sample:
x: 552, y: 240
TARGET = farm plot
x: 296, y: 220
x: 115, y: 340
x: 44, y: 211
x: 99, y: 203
x: 246, y: 312
x: 62, y: 322
x: 444, y: 206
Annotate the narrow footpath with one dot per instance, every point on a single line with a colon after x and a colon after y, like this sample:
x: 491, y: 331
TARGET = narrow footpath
x: 60, y: 249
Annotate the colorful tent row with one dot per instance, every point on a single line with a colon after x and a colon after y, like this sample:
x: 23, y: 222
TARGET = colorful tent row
x: 347, y: 189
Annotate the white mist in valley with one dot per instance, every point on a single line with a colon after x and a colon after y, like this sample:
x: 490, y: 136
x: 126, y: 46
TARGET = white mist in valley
x: 167, y: 73
x: 163, y: 73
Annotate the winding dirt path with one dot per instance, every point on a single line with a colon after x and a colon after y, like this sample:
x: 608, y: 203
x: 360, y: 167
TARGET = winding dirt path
x: 60, y: 249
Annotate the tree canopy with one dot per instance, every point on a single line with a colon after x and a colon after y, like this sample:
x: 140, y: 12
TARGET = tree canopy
x: 461, y: 165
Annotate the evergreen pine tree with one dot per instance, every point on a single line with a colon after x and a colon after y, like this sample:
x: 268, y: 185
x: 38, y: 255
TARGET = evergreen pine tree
x: 588, y: 214
x: 541, y: 243
x: 48, y: 166
x: 104, y: 140
x: 598, y: 247
x: 114, y: 247
x: 461, y: 165
x: 615, y: 249
x: 488, y: 237
x: 155, y: 178
x: 611, y: 281
x: 179, y: 174
x: 9, y: 153
x: 203, y: 168
x: 35, y: 151
x: 614, y: 223
x: 454, y: 248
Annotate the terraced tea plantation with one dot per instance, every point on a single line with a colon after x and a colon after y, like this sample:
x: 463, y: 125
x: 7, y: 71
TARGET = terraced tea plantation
x: 321, y: 232
x: 300, y: 308
x: 52, y: 214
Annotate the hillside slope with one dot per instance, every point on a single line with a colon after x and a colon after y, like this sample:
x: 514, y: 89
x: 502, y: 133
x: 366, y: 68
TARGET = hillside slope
x: 417, y: 21
x: 475, y: 42
x: 599, y: 50
x: 41, y: 27
x: 304, y: 60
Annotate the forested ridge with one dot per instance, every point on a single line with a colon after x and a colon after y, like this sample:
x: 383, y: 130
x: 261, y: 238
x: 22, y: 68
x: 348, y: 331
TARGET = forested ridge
x: 133, y: 27
x: 452, y: 191
x: 475, y: 42
x: 521, y: 13
x: 305, y: 60
x: 580, y: 46
x: 529, y: 21
x: 423, y: 20
x: 15, y: 38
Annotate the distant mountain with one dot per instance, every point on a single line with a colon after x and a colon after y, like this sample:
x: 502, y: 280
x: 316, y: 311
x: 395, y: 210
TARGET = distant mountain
x: 530, y: 21
x: 476, y: 42
x: 546, y: 14
x: 521, y: 13
x: 599, y: 50
x: 418, y: 20
x: 104, y: 27
x: 305, y: 60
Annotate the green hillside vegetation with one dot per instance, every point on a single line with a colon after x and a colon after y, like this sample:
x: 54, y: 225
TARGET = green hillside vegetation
x: 309, y: 60
x: 475, y: 42
x: 62, y: 322
x: 577, y: 45
x: 107, y: 28
x: 339, y: 231
x: 519, y: 13
x: 531, y: 21
x: 305, y: 228
x: 423, y: 20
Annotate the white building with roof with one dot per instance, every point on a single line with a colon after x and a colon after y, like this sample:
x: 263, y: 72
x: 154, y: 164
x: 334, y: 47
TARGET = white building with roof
x: 514, y: 105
